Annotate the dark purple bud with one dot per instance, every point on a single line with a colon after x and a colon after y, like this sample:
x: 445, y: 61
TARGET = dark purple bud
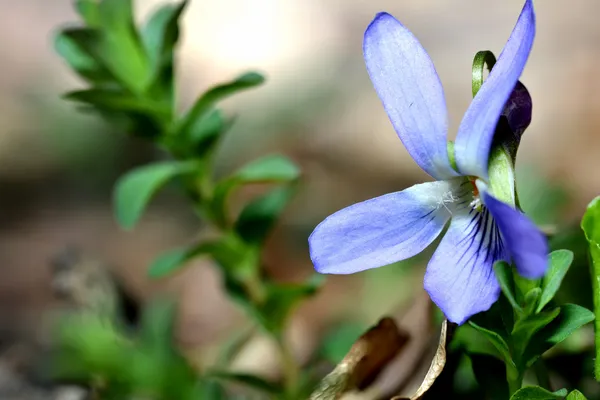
x: 517, y: 110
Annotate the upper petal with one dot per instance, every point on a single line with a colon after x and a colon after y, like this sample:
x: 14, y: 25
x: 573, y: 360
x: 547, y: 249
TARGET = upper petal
x: 460, y: 278
x: 382, y: 230
x: 409, y: 88
x: 526, y: 244
x: 476, y: 131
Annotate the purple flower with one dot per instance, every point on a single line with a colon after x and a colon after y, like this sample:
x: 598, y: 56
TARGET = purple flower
x: 479, y: 201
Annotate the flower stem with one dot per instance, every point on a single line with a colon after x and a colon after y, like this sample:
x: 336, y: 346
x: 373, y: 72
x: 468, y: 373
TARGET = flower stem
x: 514, y: 378
x: 291, y: 371
x: 595, y: 271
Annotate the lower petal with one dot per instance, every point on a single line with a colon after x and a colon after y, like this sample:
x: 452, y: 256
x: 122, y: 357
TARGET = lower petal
x: 382, y: 230
x: 526, y: 244
x: 460, y: 277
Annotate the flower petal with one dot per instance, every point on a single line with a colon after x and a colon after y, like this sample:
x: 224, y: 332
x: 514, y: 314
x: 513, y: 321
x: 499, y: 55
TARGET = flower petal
x: 526, y: 244
x: 460, y: 278
x: 476, y: 131
x: 382, y: 230
x: 409, y: 88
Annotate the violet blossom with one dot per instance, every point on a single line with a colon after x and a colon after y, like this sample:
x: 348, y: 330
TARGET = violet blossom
x: 474, y: 187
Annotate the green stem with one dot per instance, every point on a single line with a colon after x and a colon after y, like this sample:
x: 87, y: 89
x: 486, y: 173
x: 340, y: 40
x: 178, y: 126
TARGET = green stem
x: 595, y: 271
x: 291, y: 371
x: 514, y: 378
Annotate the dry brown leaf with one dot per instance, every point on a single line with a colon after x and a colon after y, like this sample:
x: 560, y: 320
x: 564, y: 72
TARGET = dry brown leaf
x: 365, y: 360
x: 436, y: 367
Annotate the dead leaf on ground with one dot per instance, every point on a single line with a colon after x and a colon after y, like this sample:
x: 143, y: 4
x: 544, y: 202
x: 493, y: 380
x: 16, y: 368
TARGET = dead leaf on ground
x: 437, y: 364
x: 365, y: 360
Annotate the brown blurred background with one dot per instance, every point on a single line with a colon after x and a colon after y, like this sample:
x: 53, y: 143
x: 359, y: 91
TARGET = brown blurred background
x: 58, y: 166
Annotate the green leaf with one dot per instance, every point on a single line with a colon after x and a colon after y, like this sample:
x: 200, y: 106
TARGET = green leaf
x: 88, y: 11
x: 116, y: 100
x: 576, y: 395
x: 560, y: 261
x: 571, y: 318
x: 114, y: 43
x: 259, y: 216
x: 532, y: 300
x: 135, y: 189
x: 160, y: 35
x: 528, y: 326
x: 491, y: 375
x: 207, y: 101
x: 271, y: 168
x: 252, y: 381
x: 537, y: 393
x: 268, y: 169
x: 68, y: 47
x: 497, y: 341
x: 503, y: 272
x: 116, y: 52
x: 283, y: 297
x: 205, y: 131
x: 172, y: 260
x: 168, y: 262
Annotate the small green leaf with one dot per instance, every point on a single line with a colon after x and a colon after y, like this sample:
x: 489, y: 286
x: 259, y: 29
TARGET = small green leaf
x: 172, y: 260
x: 268, y: 169
x: 537, y: 393
x: 496, y: 340
x: 259, y: 216
x: 532, y: 300
x: 207, y: 101
x: 204, y: 132
x: 115, y: 100
x: 282, y: 298
x: 78, y: 59
x: 571, y: 318
x: 503, y: 272
x: 168, y: 262
x: 88, y: 11
x: 271, y: 168
x: 115, y: 52
x: 135, y: 189
x: 576, y: 395
x: 560, y: 261
x: 252, y: 381
x: 528, y: 326
x: 161, y: 33
x: 491, y: 375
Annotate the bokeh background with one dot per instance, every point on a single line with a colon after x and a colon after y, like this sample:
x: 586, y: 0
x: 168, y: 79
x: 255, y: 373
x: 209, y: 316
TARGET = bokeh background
x: 318, y: 107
